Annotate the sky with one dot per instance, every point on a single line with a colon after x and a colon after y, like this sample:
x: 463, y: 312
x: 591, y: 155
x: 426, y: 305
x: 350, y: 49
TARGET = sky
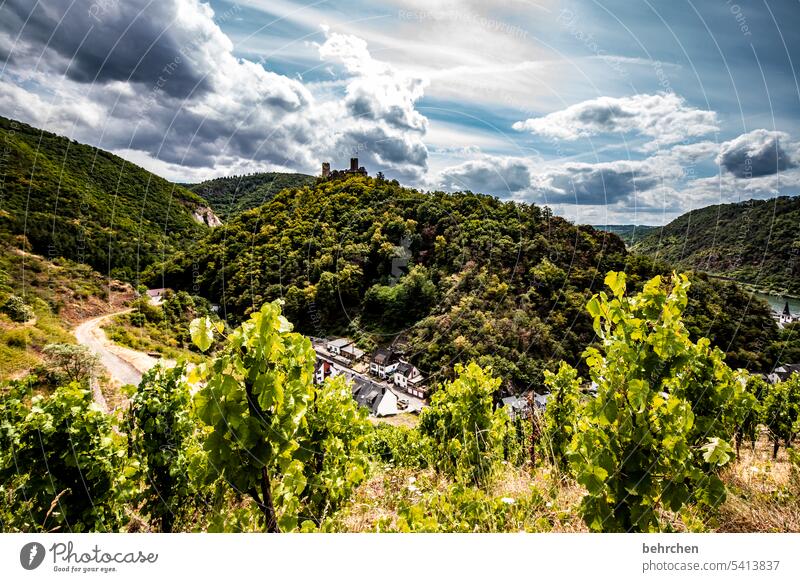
x: 609, y: 112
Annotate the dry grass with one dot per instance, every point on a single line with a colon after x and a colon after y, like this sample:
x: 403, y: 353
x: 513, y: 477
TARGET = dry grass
x: 763, y: 494
x: 406, y: 419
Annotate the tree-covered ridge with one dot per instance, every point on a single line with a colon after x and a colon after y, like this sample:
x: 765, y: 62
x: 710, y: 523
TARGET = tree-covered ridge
x: 755, y: 242
x: 457, y: 277
x: 232, y: 195
x: 86, y: 204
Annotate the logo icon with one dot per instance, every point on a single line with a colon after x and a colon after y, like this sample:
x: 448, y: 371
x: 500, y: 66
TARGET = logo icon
x: 31, y: 555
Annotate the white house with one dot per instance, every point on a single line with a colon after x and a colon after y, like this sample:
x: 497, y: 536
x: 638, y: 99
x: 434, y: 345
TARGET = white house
x: 384, y: 362
x: 403, y: 373
x: 336, y: 345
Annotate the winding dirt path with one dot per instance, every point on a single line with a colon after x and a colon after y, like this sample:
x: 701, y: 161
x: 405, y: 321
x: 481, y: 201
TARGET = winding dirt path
x: 124, y: 365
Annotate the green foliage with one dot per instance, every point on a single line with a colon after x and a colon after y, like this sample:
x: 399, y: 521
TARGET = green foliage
x: 753, y: 241
x: 464, y: 509
x: 332, y: 449
x: 561, y: 414
x: 89, y: 205
x: 160, y: 426
x: 629, y: 233
x: 781, y: 411
x: 256, y: 397
x: 16, y: 308
x: 399, y: 446
x: 654, y: 436
x: 61, y: 464
x: 235, y: 194
x: 395, y: 305
x: 465, y: 429
x: 75, y: 363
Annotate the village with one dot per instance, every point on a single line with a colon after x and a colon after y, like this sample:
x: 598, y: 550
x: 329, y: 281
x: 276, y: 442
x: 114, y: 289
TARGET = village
x: 385, y: 383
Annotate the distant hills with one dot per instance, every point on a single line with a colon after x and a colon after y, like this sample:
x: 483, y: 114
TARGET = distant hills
x: 76, y: 201
x: 232, y: 195
x: 755, y: 242
x: 629, y: 233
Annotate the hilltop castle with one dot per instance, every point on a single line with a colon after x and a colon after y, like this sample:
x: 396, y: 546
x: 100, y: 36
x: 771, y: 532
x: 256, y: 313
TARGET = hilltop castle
x: 354, y: 169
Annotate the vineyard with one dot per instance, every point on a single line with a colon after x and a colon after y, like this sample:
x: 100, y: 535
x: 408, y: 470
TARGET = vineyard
x: 661, y: 436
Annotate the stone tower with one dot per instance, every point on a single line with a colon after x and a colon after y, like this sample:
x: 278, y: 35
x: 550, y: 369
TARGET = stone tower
x: 326, y: 169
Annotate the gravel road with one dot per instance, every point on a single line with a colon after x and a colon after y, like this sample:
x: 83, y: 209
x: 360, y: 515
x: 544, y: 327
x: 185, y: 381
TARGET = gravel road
x: 124, y: 365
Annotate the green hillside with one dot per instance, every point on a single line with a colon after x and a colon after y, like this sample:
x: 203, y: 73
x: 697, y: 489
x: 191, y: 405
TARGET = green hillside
x: 755, y: 242
x: 455, y: 277
x: 234, y: 194
x: 88, y: 205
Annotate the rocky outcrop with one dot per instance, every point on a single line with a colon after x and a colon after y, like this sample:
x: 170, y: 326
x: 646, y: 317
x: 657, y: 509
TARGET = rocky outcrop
x: 204, y: 215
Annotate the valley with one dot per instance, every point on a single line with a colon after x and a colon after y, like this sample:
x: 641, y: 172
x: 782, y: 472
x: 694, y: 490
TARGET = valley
x: 345, y: 353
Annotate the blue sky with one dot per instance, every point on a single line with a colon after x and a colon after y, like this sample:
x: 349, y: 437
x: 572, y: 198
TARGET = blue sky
x: 609, y: 112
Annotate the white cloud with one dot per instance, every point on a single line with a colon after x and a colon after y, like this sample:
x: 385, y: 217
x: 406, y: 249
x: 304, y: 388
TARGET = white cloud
x: 664, y: 117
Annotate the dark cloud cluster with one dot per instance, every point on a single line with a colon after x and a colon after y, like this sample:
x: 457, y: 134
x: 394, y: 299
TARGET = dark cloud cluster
x: 602, y: 183
x: 97, y: 41
x: 754, y: 154
x: 489, y: 174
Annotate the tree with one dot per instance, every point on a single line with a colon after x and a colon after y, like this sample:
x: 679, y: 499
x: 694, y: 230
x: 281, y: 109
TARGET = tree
x: 76, y: 363
x: 258, y: 389
x: 638, y: 447
x: 466, y: 431
x: 159, y: 428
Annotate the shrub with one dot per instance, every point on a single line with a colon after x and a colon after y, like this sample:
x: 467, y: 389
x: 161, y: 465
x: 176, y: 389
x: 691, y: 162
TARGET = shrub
x: 160, y: 425
x: 561, y: 413
x: 399, y: 446
x: 62, y: 457
x: 654, y: 437
x: 16, y: 308
x: 465, y: 429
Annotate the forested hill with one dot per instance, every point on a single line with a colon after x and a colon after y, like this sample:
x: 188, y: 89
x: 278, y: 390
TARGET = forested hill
x: 86, y: 204
x: 755, y: 242
x: 455, y: 277
x: 231, y: 195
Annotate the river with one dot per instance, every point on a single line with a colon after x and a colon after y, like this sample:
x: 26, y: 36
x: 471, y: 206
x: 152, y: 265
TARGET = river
x: 777, y: 302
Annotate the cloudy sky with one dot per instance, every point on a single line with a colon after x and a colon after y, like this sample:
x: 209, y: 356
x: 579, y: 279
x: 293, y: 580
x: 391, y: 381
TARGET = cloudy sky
x: 612, y: 111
